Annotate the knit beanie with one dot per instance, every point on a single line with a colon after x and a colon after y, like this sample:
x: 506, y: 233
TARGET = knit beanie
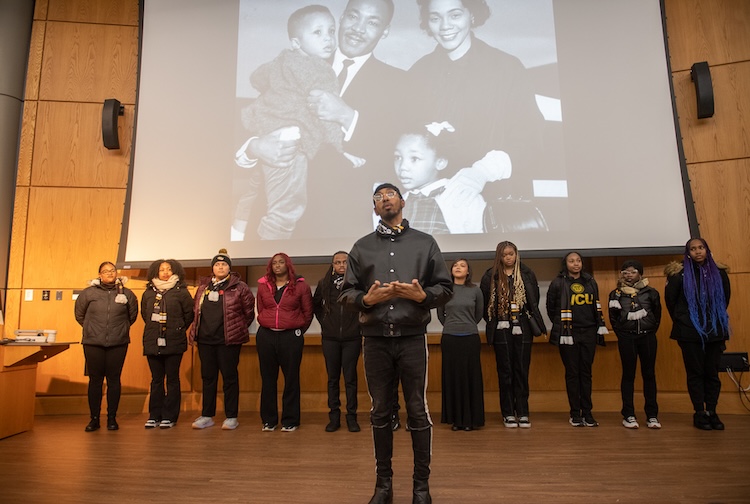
x: 223, y: 257
x: 632, y: 263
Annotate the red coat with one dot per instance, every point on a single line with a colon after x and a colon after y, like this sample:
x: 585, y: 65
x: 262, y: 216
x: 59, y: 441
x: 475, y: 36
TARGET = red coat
x: 238, y: 310
x: 295, y: 311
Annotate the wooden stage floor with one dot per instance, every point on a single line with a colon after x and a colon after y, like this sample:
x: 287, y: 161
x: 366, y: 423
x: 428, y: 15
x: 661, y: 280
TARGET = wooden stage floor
x: 552, y: 462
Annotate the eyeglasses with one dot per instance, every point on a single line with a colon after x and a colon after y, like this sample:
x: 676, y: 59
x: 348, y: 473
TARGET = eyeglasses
x: 629, y: 271
x: 107, y: 272
x: 380, y: 196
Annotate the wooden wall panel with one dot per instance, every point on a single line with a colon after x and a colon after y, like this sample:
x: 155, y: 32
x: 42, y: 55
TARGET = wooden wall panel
x: 722, y: 136
x: 18, y: 238
x: 68, y: 148
x: 34, y: 66
x: 89, y: 63
x: 124, y: 12
x: 70, y: 232
x: 707, y: 30
x: 40, y: 9
x: 12, y: 312
x: 722, y: 203
x: 26, y: 144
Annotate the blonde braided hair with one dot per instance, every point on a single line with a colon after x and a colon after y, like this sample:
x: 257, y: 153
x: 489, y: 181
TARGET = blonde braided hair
x: 499, y: 303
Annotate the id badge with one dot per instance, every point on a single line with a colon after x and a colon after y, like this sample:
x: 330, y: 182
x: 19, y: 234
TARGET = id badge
x: 213, y: 296
x: 161, y: 342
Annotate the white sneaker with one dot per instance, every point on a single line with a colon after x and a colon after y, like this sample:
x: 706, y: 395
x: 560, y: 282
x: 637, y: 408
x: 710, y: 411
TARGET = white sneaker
x: 653, y: 423
x: 630, y: 422
x: 151, y: 423
x: 267, y: 427
x: 230, y: 424
x: 510, y: 422
x: 202, y: 422
x: 289, y: 428
x: 524, y: 422
x: 167, y: 424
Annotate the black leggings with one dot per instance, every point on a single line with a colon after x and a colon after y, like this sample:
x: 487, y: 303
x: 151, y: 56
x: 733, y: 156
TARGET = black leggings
x: 104, y: 362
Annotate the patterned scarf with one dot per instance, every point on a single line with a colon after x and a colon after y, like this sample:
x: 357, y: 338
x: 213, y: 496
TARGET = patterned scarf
x: 160, y: 307
x: 566, y: 317
x: 507, y: 299
x: 626, y: 289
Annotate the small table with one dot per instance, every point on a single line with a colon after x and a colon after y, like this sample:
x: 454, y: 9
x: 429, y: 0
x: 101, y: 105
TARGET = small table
x: 18, y: 383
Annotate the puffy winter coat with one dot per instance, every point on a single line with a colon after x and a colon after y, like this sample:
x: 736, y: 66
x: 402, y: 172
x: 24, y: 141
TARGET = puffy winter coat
x: 294, y: 311
x: 239, y: 309
x: 106, y: 313
x: 179, y: 309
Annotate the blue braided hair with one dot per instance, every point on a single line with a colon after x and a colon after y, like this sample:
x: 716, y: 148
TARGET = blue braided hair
x: 704, y: 293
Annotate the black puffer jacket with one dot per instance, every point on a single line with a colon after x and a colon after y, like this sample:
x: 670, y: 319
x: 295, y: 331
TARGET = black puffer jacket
x: 402, y: 257
x: 531, y: 309
x: 105, y: 317
x: 336, y: 322
x: 648, y: 299
x: 179, y: 310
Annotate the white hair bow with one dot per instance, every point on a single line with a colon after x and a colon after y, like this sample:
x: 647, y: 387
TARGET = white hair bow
x: 437, y: 127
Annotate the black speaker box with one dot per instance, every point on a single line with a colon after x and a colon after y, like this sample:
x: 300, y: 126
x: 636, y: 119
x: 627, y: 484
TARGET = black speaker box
x: 734, y: 361
x: 700, y: 74
x: 111, y: 110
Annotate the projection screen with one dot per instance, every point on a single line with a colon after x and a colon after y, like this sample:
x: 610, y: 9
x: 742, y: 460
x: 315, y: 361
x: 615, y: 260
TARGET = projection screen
x: 549, y: 124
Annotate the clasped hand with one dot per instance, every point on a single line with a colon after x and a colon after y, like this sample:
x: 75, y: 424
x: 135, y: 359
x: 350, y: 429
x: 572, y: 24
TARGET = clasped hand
x: 381, y: 292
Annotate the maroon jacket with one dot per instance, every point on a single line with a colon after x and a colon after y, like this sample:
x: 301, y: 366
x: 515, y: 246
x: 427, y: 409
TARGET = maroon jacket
x: 239, y: 310
x: 295, y: 311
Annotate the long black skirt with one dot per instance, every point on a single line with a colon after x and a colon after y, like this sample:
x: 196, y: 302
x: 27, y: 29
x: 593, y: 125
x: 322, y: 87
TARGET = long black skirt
x: 463, y: 391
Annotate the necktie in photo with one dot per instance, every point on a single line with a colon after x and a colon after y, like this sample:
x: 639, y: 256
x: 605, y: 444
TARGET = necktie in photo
x: 344, y: 72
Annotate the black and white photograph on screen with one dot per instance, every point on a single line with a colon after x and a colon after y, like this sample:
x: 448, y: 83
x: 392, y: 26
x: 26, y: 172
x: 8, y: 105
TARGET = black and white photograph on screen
x: 273, y: 121
x: 455, y: 101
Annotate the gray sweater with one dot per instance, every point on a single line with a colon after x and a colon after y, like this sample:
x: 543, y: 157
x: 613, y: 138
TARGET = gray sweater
x: 463, y: 312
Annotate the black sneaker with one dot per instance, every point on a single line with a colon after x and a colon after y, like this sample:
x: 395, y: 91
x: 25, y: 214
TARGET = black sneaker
x: 589, y: 421
x: 576, y: 421
x: 333, y: 426
x: 716, y: 423
x: 702, y: 420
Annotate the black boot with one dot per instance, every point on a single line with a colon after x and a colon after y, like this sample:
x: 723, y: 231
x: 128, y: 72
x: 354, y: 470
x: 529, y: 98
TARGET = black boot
x: 112, y: 423
x: 93, y: 424
x: 383, y: 491
x: 421, y: 493
x: 716, y: 423
x: 421, y: 443
x: 352, y: 424
x: 701, y: 420
x: 334, y: 421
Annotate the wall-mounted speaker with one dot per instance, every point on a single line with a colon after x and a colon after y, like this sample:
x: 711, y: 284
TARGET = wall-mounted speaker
x: 111, y: 110
x: 700, y: 74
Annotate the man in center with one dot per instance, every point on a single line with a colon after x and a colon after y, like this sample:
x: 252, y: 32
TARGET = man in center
x: 396, y: 275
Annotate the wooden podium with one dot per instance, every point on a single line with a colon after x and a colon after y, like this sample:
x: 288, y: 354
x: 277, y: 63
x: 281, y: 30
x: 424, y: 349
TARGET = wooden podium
x: 18, y: 383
